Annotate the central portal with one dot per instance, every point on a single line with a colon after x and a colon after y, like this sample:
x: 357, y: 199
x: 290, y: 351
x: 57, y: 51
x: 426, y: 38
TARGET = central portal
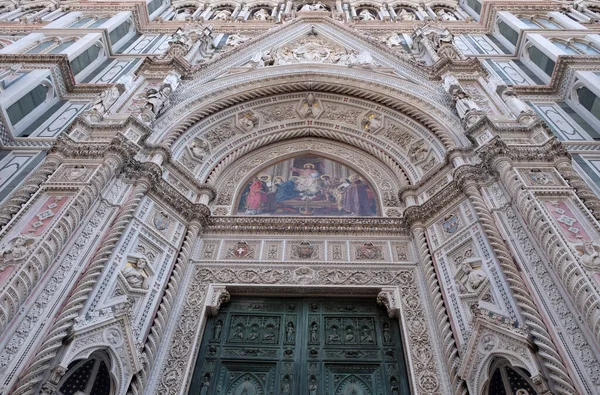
x: 271, y: 346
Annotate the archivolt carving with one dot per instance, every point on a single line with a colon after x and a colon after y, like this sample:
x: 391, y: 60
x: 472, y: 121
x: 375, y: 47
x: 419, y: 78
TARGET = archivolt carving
x: 283, y: 117
x: 379, y: 175
x: 186, y: 339
x: 391, y: 92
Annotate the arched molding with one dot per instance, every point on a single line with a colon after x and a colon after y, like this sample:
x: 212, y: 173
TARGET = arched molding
x: 406, y: 146
x: 113, y: 338
x: 381, y: 177
x: 216, y: 96
x: 492, y: 339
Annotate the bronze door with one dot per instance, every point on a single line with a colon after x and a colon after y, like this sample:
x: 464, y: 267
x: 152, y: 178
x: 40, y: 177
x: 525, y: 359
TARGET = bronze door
x: 285, y: 346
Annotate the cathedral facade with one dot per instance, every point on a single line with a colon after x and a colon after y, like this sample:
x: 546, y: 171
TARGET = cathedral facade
x: 283, y: 197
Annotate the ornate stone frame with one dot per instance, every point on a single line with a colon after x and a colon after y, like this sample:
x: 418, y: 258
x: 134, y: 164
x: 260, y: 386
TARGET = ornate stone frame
x: 380, y: 176
x: 401, y: 291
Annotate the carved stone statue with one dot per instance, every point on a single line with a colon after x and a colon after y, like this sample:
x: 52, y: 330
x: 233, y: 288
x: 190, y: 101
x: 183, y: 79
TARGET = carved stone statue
x: 199, y: 148
x: 372, y: 122
x: 248, y: 121
x: 366, y: 15
x: 15, y: 251
x: 156, y: 99
x: 102, y: 104
x: 475, y: 277
x: 184, y: 14
x: 135, y: 275
x: 394, y: 40
x: 589, y: 253
x: 405, y: 15
x: 445, y: 15
x: 222, y: 15
x: 261, y: 15
x: 318, y: 6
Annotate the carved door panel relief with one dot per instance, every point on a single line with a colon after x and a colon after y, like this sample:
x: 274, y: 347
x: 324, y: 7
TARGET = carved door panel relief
x: 299, y: 346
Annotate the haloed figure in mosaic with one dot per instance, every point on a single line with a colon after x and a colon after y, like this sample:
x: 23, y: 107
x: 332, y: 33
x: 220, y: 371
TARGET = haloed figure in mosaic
x: 308, y: 185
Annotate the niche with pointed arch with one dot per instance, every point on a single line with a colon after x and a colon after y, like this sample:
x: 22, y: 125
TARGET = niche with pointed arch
x: 308, y: 185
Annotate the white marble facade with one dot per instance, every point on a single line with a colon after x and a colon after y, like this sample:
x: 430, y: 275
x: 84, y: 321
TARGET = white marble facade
x: 135, y: 200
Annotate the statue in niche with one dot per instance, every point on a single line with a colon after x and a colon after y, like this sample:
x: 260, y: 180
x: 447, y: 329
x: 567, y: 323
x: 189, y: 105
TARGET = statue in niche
x: 405, y: 15
x: 312, y: 387
x: 349, y: 335
x: 253, y: 335
x: 464, y: 104
x: 248, y: 121
x: 15, y: 251
x: 366, y: 15
x: 205, y: 384
x: 290, y: 331
x: 474, y: 277
x: 365, y: 336
x: 314, y: 337
x: 372, y: 122
x: 418, y: 151
x: 269, y: 336
x: 285, y: 386
x: 135, y: 274
x: 318, y: 6
x: 199, y: 149
x: 445, y: 15
x: 217, y: 329
x: 222, y: 15
x: 334, y: 336
x: 104, y: 102
x: 589, y: 253
x: 387, y: 334
x: 261, y: 15
x: 184, y: 15
x: 309, y: 108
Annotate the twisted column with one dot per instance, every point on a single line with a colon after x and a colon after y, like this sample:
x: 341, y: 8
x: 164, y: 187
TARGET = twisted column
x: 440, y: 311
x: 582, y: 289
x: 587, y: 196
x: 557, y: 371
x: 31, y: 185
x: 29, y: 273
x: 42, y: 360
x: 159, y: 325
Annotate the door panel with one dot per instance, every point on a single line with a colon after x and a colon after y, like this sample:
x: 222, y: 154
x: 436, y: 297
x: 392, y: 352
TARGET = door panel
x: 300, y: 346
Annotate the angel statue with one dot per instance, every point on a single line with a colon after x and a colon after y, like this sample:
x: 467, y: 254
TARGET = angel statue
x: 589, y: 254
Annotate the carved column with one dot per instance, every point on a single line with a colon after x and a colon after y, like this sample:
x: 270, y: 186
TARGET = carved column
x: 163, y: 314
x: 561, y: 261
x: 50, y: 247
x: 42, y: 360
x: 557, y: 371
x: 440, y: 311
x: 589, y: 198
x: 31, y: 185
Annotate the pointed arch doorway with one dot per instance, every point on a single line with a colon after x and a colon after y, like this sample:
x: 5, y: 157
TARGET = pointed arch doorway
x: 298, y: 346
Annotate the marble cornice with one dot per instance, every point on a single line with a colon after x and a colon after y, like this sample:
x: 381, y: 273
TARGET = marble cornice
x: 62, y: 61
x: 470, y: 66
x: 441, y: 200
x: 548, y: 152
x: 165, y: 65
x: 119, y: 145
x: 379, y: 226
x: 564, y: 65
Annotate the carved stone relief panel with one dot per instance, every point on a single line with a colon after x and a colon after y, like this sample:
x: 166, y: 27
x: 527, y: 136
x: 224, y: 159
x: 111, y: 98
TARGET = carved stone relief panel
x: 344, y: 115
x: 72, y: 173
x: 363, y: 252
x: 540, y: 177
x: 161, y: 220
